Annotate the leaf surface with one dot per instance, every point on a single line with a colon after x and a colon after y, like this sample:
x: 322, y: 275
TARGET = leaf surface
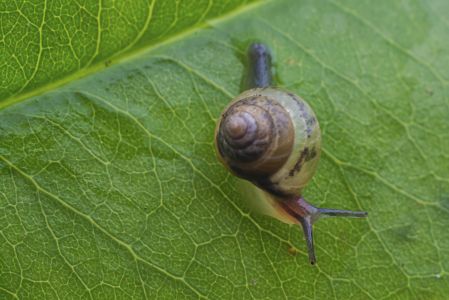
x: 109, y: 184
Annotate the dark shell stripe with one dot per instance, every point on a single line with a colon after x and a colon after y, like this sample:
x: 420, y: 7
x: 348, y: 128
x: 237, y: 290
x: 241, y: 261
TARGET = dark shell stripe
x: 310, y: 122
x: 297, y: 167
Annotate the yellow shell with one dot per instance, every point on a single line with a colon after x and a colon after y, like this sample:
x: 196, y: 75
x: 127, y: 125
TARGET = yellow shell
x: 272, y: 138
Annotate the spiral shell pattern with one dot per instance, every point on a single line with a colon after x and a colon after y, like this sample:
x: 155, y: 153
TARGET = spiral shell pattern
x: 255, y: 136
x: 270, y: 137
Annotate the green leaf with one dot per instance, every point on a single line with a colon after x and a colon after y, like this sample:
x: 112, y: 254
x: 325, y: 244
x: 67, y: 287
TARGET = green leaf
x: 109, y: 184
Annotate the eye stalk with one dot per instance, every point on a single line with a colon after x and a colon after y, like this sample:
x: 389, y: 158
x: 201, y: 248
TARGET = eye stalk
x: 307, y: 214
x: 272, y: 138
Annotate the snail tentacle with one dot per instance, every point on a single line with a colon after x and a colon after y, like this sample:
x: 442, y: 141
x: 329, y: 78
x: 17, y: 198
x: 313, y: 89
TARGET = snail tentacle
x: 307, y: 215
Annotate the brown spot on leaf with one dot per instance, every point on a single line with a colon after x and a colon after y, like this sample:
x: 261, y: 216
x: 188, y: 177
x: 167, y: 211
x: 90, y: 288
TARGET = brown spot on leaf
x: 292, y: 251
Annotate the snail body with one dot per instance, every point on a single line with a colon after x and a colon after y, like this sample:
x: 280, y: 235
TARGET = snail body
x: 271, y: 137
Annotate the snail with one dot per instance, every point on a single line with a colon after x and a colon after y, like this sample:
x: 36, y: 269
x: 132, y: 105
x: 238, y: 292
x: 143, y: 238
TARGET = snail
x: 271, y: 138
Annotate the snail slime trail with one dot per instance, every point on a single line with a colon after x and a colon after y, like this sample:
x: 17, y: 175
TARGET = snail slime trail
x: 271, y: 138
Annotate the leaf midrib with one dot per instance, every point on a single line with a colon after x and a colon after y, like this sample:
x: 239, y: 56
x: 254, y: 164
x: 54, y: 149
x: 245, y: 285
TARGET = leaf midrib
x: 124, y: 55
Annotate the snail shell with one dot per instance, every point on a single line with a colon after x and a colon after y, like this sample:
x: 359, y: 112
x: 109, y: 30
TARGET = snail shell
x: 271, y: 137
